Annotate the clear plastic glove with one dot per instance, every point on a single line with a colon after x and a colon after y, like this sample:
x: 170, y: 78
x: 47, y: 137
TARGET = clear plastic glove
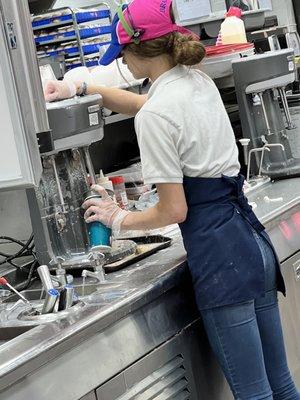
x: 104, y: 210
x: 59, y: 90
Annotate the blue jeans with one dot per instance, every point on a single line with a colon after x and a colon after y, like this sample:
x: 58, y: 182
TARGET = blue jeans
x: 248, y: 342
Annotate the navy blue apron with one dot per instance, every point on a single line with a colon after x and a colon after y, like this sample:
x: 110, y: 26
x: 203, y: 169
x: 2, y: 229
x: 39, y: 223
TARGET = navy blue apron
x: 223, y: 256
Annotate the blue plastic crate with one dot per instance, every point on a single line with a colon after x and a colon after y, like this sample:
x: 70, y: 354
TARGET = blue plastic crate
x: 87, y: 49
x: 53, y: 53
x: 42, y: 23
x: 84, y: 34
x: 43, y: 39
x: 96, y: 31
x: 87, y: 16
x: 92, y: 63
x: 80, y: 17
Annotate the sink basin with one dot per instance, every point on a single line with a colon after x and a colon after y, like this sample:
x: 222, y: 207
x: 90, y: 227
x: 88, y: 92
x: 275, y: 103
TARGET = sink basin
x: 11, y: 332
x: 90, y: 293
x: 256, y: 183
x: 86, y: 290
x: 16, y: 318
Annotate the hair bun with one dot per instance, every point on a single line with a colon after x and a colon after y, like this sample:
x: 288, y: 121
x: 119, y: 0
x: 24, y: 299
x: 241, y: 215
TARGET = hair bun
x: 187, y: 50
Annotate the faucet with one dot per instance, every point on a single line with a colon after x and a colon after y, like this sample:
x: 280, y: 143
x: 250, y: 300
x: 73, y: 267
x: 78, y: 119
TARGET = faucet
x: 97, y: 261
x: 267, y: 147
x: 245, y: 145
x: 270, y: 145
x: 61, y: 278
x: 253, y: 151
x: 52, y: 300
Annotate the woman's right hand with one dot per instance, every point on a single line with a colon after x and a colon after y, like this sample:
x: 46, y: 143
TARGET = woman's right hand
x: 59, y: 90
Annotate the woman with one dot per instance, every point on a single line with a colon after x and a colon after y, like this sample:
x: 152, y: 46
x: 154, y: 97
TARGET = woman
x: 188, y: 150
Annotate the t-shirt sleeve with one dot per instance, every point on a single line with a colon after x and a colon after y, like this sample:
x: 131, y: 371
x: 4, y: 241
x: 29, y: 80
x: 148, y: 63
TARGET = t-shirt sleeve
x: 159, y: 155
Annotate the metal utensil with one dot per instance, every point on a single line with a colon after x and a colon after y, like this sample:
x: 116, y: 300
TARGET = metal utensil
x: 4, y: 282
x: 45, y: 277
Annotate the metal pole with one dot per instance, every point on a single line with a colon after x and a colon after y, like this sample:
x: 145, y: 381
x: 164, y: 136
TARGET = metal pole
x: 89, y: 165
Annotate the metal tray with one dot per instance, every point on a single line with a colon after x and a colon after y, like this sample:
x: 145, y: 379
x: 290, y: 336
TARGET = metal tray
x: 161, y: 242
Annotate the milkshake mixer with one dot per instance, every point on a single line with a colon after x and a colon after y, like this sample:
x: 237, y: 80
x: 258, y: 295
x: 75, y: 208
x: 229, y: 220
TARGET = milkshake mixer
x: 60, y: 232
x: 260, y: 83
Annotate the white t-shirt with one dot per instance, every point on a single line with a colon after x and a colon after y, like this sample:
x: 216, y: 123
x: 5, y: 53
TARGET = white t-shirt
x: 183, y: 129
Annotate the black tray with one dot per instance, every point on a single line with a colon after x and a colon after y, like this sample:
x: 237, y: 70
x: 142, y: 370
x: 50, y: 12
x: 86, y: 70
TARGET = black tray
x: 161, y: 241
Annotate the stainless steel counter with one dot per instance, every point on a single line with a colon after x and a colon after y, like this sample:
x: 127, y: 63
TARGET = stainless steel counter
x: 140, y: 285
x: 280, y: 214
x: 146, y: 306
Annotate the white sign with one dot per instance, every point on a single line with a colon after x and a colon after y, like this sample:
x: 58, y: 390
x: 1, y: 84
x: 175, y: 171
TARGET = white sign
x: 192, y: 9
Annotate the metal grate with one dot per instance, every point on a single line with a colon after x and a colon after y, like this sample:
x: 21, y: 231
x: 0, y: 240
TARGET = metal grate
x: 167, y: 383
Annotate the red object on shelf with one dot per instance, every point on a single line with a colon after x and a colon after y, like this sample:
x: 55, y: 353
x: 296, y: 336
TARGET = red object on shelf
x: 3, y: 281
x: 234, y: 12
x: 116, y: 180
x: 227, y: 49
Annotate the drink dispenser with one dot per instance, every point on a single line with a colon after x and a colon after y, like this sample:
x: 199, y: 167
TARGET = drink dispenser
x: 261, y: 82
x: 55, y: 206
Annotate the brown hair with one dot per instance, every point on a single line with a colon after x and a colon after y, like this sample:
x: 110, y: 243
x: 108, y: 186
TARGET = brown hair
x: 184, y: 49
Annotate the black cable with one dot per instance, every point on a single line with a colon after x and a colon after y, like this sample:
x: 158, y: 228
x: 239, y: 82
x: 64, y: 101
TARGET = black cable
x: 27, y: 249
x: 10, y: 239
x: 25, y: 246
x: 26, y: 284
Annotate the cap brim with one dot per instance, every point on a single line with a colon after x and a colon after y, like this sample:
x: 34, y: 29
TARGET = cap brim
x: 111, y: 54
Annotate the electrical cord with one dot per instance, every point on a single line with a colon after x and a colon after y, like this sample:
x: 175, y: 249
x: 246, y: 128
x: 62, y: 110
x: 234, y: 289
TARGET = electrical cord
x: 30, y: 278
x: 121, y: 73
x: 26, y: 250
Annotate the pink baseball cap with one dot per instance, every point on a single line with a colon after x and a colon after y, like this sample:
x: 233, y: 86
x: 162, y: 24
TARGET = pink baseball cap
x: 141, y: 20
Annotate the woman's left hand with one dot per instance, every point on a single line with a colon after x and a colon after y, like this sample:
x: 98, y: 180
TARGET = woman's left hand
x: 104, y: 210
x: 59, y: 90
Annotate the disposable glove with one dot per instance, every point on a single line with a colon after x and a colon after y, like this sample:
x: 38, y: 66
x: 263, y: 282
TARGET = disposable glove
x: 59, y: 90
x: 104, y: 210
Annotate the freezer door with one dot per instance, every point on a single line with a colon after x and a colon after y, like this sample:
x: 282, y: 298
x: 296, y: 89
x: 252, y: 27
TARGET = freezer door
x: 23, y: 114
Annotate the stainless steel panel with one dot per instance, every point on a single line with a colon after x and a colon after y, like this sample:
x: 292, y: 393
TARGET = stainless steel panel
x: 25, y: 65
x: 23, y: 87
x: 16, y: 17
x: 290, y: 314
x: 182, y: 368
x: 103, y: 354
x: 286, y: 235
x: 14, y: 215
x: 90, y: 396
x: 166, y: 381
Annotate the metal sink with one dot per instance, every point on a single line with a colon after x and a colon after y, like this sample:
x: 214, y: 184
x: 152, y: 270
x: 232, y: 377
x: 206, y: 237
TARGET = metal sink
x: 11, y: 332
x: 102, y: 293
x: 16, y: 319
x: 90, y: 293
x: 82, y: 291
x: 256, y: 183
